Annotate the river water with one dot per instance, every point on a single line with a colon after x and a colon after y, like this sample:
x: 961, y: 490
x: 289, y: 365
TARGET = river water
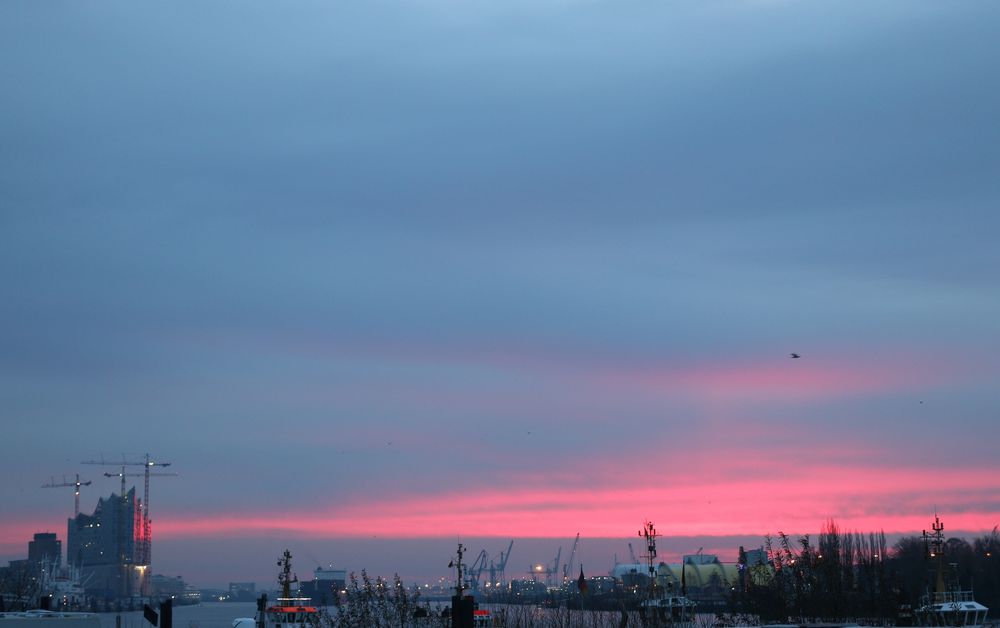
x: 205, y: 615
x: 222, y: 614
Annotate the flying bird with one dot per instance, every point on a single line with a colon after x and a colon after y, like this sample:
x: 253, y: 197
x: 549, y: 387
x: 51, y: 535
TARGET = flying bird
x: 794, y: 355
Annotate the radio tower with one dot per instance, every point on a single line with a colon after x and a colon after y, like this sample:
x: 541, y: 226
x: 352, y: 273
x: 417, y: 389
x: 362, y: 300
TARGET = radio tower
x: 77, y: 484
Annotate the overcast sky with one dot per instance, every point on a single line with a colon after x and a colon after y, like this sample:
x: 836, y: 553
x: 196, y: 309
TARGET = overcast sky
x: 422, y: 269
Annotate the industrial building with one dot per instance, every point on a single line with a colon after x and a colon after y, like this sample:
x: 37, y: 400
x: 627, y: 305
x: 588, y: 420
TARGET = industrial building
x: 242, y: 591
x: 325, y: 586
x: 703, y: 577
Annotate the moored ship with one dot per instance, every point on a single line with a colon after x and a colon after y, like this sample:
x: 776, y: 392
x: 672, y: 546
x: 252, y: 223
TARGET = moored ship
x: 661, y: 604
x: 948, y: 605
x: 288, y: 611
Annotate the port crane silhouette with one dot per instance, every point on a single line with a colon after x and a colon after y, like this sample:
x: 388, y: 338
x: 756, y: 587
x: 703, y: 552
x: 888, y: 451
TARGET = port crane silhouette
x: 496, y: 567
x: 631, y: 553
x: 568, y: 567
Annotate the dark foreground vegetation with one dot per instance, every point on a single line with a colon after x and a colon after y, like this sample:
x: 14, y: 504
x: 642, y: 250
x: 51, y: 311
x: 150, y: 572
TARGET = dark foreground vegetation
x: 835, y: 577
x: 853, y: 576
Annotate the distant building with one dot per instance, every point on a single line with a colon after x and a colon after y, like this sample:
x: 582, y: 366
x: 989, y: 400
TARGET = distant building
x: 757, y: 557
x: 527, y: 588
x: 173, y: 587
x: 325, y: 586
x: 242, y: 591
x: 701, y: 576
x: 700, y: 559
x: 166, y: 586
x: 46, y: 550
x: 104, y: 546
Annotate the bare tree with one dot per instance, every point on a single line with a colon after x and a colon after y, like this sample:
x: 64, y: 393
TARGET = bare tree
x: 20, y: 585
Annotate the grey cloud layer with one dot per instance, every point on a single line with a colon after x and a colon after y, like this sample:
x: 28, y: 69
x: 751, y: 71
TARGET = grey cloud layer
x: 630, y: 181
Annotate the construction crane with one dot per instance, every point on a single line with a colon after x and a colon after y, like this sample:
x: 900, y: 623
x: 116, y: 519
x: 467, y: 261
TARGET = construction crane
x: 631, y: 553
x: 145, y: 550
x: 144, y: 554
x: 77, y: 484
x: 568, y: 567
x: 147, y: 464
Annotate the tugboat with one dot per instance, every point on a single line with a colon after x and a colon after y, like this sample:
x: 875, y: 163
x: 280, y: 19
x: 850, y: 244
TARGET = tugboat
x: 662, y: 607
x: 948, y: 605
x: 288, y: 612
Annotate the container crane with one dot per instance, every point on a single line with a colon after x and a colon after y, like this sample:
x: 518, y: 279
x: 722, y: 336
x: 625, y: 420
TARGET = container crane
x: 474, y: 570
x: 500, y: 567
x: 77, y: 484
x: 568, y: 567
x: 550, y: 573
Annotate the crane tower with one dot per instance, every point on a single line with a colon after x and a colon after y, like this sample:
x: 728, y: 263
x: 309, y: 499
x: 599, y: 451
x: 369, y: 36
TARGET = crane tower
x: 77, y: 484
x: 143, y: 555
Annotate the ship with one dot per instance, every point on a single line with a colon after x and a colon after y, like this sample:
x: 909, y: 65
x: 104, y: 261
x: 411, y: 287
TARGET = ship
x: 287, y: 611
x: 948, y: 605
x: 673, y: 609
x: 661, y: 604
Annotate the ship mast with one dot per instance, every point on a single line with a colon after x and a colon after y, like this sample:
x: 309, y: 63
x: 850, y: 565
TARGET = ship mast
x: 649, y: 533
x: 457, y: 564
x: 285, y: 577
x: 935, y: 548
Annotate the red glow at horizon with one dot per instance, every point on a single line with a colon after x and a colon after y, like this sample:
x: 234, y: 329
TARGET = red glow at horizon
x: 855, y: 498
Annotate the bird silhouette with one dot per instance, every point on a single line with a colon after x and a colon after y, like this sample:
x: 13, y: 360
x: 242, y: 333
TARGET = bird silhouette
x: 794, y: 355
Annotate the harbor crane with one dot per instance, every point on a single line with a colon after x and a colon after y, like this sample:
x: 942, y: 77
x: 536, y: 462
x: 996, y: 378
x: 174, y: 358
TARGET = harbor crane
x: 485, y: 563
x: 551, y: 572
x: 631, y: 553
x: 500, y: 567
x: 77, y: 484
x: 568, y: 567
x: 474, y: 570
